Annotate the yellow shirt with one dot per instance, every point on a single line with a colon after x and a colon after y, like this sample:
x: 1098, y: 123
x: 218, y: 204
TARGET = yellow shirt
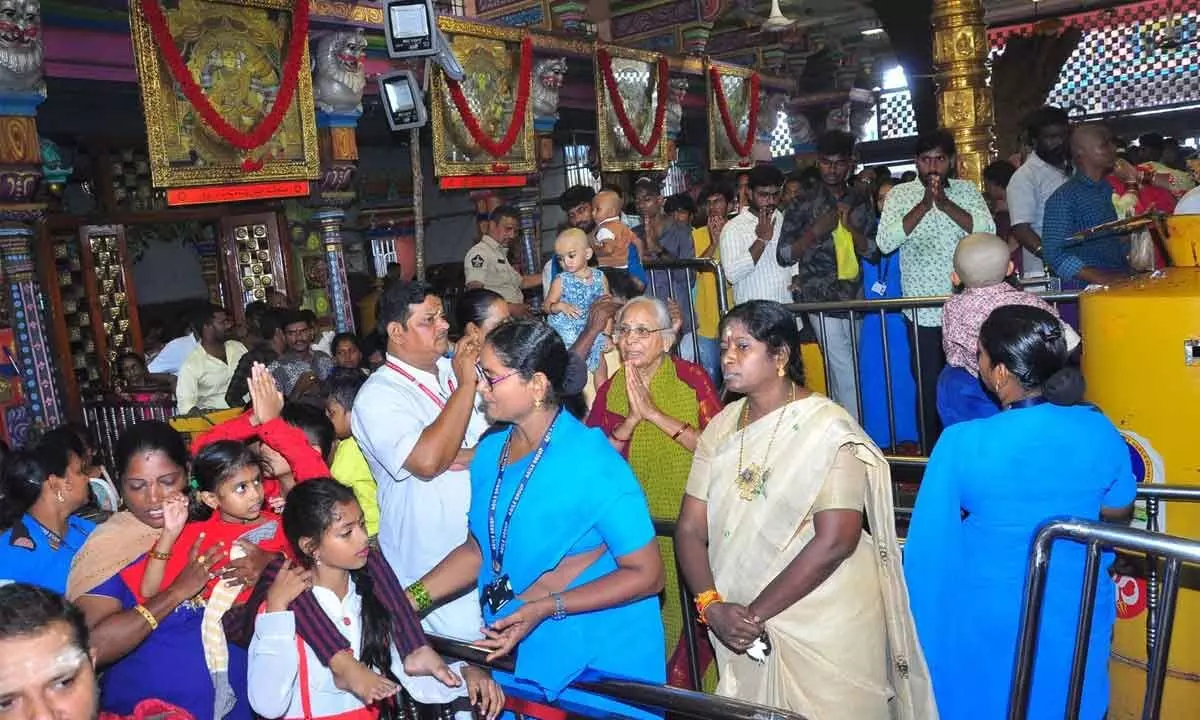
x: 350, y: 469
x: 203, y: 379
x: 708, y: 315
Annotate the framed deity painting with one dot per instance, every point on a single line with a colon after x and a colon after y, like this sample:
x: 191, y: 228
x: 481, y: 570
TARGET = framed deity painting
x: 226, y: 89
x: 733, y: 106
x: 483, y: 125
x: 632, y: 93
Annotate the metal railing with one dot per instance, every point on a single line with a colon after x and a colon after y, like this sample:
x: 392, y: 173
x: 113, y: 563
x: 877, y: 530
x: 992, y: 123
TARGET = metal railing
x: 817, y: 316
x: 1096, y: 536
x: 108, y: 419
x: 676, y: 702
x: 664, y: 284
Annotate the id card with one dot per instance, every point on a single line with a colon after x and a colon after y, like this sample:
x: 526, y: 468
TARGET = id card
x: 879, y: 288
x: 497, y: 594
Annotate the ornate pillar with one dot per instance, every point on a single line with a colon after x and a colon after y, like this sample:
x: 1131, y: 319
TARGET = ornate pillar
x: 337, y: 88
x: 531, y: 246
x: 965, y: 109
x: 22, y: 90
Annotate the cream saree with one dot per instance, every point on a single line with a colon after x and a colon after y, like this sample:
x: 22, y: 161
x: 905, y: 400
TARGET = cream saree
x: 848, y: 649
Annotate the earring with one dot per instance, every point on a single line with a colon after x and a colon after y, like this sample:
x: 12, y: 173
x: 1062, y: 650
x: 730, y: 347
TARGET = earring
x: 539, y: 403
x: 781, y: 371
x: 59, y: 496
x: 317, y: 560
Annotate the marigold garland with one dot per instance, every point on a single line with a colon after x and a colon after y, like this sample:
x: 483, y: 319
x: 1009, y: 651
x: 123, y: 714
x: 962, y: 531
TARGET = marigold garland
x: 516, y: 123
x: 618, y: 104
x: 289, y: 78
x: 741, y: 147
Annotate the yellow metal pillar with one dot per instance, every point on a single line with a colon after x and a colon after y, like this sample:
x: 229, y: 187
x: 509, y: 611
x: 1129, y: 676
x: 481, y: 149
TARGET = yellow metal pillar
x: 960, y: 50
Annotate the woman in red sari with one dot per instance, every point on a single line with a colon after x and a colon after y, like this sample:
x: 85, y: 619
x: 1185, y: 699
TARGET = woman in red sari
x: 653, y: 410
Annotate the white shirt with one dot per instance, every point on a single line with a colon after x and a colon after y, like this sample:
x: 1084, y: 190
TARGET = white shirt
x: 420, y: 519
x: 274, y: 665
x: 1028, y: 190
x: 171, y: 357
x: 764, y: 280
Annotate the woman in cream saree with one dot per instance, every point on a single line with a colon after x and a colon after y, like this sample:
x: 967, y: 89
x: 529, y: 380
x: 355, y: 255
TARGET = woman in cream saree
x: 771, y: 536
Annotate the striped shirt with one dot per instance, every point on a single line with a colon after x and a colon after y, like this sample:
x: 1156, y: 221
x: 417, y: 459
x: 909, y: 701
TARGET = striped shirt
x: 762, y: 280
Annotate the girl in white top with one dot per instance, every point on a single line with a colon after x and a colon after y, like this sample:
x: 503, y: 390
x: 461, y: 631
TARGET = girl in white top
x: 324, y: 524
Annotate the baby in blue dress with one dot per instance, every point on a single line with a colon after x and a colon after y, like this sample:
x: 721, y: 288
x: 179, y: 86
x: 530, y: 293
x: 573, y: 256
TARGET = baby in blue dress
x: 574, y: 290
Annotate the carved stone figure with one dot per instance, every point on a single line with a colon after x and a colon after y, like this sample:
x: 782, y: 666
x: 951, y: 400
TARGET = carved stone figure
x: 676, y: 94
x: 549, y: 74
x: 341, y: 77
x: 21, y: 50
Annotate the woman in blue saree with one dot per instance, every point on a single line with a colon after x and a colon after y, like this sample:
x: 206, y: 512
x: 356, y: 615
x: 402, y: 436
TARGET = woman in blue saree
x: 881, y: 280
x: 989, y: 485
x: 561, y: 548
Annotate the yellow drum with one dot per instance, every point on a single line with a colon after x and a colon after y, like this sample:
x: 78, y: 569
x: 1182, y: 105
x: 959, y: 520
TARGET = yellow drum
x: 1142, y: 363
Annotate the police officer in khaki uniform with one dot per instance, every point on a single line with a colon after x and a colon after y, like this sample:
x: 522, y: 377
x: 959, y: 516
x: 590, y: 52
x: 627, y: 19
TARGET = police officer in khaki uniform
x: 486, y: 264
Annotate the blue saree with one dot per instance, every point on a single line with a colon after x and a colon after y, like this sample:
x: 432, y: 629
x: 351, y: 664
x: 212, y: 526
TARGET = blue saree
x: 581, y: 496
x: 882, y: 280
x: 966, y: 577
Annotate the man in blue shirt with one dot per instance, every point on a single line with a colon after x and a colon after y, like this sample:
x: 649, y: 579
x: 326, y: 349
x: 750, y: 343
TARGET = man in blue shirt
x: 1083, y: 202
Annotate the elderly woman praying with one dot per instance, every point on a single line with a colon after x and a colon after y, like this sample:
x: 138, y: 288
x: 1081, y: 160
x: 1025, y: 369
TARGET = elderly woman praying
x: 653, y: 410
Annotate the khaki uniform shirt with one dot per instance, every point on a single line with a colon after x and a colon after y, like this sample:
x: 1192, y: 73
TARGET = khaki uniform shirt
x: 487, y: 263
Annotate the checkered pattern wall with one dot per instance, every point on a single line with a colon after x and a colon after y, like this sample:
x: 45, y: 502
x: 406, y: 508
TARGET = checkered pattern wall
x: 1133, y: 57
x: 896, y: 116
x: 781, y: 137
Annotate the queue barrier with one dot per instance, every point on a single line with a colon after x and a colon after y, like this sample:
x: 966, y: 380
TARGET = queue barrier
x: 1097, y: 537
x: 106, y: 420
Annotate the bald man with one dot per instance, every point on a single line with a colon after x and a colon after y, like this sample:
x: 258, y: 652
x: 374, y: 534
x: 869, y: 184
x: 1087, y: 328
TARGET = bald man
x: 1083, y: 202
x: 982, y: 265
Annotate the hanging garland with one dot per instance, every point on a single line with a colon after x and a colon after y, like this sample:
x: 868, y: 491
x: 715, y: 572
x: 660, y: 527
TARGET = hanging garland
x: 618, y: 104
x: 516, y: 123
x: 742, y: 148
x: 289, y: 77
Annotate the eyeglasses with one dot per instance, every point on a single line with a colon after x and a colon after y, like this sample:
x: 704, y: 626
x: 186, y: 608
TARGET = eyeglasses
x: 489, y: 380
x: 634, y: 333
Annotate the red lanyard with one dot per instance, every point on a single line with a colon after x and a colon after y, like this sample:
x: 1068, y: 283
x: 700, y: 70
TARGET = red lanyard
x: 429, y: 393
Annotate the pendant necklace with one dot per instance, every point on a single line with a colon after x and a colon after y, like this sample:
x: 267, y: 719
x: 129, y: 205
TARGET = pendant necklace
x: 751, y: 481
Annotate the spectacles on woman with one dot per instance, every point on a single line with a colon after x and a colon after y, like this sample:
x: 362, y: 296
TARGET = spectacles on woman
x: 634, y: 333
x: 489, y: 380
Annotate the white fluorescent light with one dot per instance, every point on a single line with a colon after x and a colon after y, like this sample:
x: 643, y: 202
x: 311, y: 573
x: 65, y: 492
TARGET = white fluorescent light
x: 874, y: 31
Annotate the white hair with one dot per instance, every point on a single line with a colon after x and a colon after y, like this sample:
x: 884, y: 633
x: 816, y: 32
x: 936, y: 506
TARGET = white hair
x: 662, y: 317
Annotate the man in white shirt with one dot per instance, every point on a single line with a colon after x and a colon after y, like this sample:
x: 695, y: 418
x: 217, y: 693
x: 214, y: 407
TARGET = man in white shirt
x: 1043, y: 172
x: 412, y: 419
x: 749, y: 242
x: 170, y: 359
x: 207, y: 371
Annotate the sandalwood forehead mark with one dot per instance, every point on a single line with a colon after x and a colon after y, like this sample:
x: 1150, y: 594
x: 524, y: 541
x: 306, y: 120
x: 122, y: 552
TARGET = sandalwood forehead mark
x: 20, y: 669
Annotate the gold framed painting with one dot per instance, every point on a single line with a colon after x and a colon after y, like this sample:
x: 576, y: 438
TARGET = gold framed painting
x: 636, y: 75
x: 723, y: 153
x: 236, y: 51
x: 491, y: 58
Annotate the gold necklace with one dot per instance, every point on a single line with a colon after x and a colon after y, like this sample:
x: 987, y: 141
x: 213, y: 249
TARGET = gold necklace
x: 751, y: 481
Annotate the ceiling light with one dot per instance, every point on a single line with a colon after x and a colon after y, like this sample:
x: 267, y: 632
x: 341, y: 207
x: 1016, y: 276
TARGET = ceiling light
x: 873, y: 31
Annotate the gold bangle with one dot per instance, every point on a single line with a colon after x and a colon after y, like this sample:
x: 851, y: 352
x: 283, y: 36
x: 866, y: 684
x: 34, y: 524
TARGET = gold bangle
x: 147, y: 616
x: 156, y: 555
x: 679, y: 432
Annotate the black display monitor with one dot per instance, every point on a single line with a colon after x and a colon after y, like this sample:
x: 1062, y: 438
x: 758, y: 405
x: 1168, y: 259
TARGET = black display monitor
x: 402, y: 100
x: 410, y: 26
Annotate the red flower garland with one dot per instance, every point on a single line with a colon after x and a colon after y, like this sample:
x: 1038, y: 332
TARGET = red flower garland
x: 516, y: 123
x: 289, y: 77
x: 618, y: 105
x: 742, y: 148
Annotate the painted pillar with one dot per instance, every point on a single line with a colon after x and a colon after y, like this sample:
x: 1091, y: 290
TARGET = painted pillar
x: 20, y: 179
x: 960, y: 50
x: 28, y: 314
x: 331, y: 194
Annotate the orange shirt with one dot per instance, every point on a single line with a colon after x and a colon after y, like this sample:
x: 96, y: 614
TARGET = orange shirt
x: 611, y: 246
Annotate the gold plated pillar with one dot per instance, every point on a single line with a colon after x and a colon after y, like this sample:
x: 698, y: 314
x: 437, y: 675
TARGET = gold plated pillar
x: 960, y: 50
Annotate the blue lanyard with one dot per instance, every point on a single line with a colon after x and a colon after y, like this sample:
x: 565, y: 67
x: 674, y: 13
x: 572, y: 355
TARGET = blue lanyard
x: 1027, y: 403
x: 499, y: 548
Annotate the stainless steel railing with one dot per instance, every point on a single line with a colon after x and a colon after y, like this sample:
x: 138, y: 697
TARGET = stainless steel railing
x: 674, y: 701
x: 1096, y: 536
x: 665, y: 284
